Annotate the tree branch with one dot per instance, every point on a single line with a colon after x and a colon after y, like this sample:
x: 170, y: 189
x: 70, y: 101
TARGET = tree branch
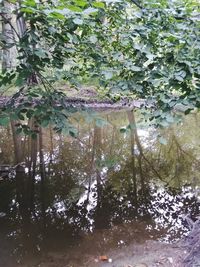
x: 137, y: 4
x: 8, y: 21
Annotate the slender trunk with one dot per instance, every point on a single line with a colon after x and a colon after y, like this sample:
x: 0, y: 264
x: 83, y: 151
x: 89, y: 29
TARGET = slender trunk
x: 21, y: 26
x: 98, y: 150
x: 100, y: 220
x: 91, y: 167
x: 112, y: 140
x: 32, y: 165
x: 133, y: 163
x: 20, y: 178
x: 139, y: 146
x: 43, y: 178
x: 51, y: 150
x: 17, y: 144
x: 9, y: 50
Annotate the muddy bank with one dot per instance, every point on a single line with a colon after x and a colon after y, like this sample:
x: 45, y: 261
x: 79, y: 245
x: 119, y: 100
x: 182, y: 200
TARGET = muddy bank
x: 80, y: 103
x: 148, y: 254
x: 191, y: 244
x: 96, y: 250
x: 105, y: 104
x: 184, y: 253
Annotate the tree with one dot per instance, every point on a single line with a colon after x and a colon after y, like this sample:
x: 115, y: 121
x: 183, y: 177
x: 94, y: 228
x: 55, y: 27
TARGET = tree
x: 8, y: 38
x: 150, y: 49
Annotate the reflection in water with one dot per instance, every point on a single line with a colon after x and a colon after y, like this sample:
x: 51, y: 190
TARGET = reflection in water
x: 58, y: 187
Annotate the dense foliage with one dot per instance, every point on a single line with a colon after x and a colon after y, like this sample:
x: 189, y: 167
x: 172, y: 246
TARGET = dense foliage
x: 150, y: 49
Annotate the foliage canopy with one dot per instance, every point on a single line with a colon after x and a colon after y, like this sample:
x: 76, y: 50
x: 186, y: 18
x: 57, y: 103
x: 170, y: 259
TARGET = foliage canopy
x: 150, y: 49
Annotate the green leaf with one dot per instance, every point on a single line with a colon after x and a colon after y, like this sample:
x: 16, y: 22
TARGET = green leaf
x: 78, y: 21
x: 55, y: 14
x: 34, y: 136
x: 40, y: 53
x: 112, y: 1
x: 44, y: 123
x: 21, y: 117
x: 162, y: 140
x: 73, y: 133
x: 169, y: 118
x: 180, y: 75
x: 19, y: 130
x: 28, y: 10
x: 4, y: 121
x: 89, y: 10
x: 123, y: 130
x: 93, y: 39
x: 73, y: 8
x: 108, y: 74
x: 164, y: 123
x: 29, y: 3
x: 135, y: 68
x: 187, y: 111
x: 30, y: 113
x: 81, y: 3
x: 99, y: 4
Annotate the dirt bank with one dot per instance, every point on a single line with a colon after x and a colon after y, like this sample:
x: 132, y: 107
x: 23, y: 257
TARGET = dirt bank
x: 148, y: 254
x: 79, y: 102
x: 101, y: 250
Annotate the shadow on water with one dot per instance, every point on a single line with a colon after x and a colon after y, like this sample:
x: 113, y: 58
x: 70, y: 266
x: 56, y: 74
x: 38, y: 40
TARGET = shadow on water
x: 108, y: 186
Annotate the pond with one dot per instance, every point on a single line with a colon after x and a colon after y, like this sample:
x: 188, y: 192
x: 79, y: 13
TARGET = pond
x: 116, y: 182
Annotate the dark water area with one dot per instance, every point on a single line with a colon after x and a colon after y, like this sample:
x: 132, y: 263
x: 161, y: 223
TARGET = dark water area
x: 115, y: 182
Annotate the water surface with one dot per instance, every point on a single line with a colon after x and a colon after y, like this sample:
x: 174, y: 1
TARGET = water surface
x: 117, y: 181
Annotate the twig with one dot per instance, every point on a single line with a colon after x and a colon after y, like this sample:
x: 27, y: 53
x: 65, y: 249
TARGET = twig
x: 137, y: 4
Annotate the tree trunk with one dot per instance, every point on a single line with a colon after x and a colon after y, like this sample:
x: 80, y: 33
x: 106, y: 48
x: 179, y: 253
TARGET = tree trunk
x: 43, y: 180
x: 19, y: 157
x: 133, y: 163
x: 9, y: 50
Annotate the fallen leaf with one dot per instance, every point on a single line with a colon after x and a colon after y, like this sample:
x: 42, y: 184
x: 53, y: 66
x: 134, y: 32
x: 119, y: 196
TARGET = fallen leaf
x: 170, y: 260
x: 103, y: 258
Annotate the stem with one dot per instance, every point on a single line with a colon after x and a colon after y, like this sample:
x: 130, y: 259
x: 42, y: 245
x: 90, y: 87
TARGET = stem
x: 8, y: 21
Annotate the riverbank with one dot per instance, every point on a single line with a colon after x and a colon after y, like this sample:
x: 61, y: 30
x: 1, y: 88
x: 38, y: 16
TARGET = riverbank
x: 148, y: 254
x: 135, y: 247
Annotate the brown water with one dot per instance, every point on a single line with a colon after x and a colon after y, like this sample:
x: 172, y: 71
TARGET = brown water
x: 104, y: 189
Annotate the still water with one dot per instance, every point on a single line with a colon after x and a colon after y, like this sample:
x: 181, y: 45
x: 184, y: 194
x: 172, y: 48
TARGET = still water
x: 117, y: 181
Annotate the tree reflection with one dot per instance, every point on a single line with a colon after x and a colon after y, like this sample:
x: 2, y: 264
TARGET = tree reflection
x: 62, y: 186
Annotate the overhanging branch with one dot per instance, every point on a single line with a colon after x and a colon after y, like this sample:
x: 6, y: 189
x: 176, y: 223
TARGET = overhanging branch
x: 137, y: 4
